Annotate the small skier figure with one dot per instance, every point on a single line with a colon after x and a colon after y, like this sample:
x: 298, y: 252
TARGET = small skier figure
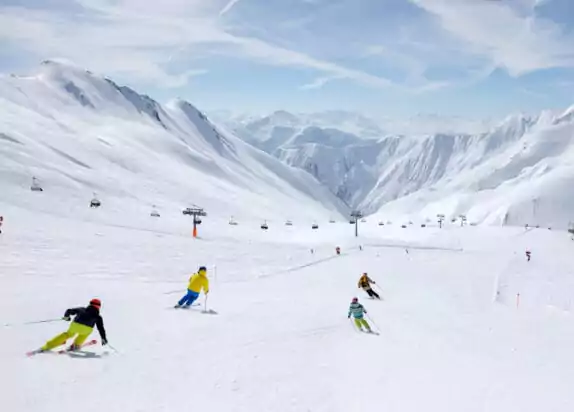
x: 528, y: 255
x: 365, y: 284
x: 197, y: 282
x: 83, y: 324
x: 358, y: 310
x: 338, y: 250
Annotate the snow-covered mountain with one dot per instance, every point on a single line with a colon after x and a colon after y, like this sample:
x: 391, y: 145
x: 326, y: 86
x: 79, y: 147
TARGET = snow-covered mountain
x: 79, y: 133
x: 495, y: 176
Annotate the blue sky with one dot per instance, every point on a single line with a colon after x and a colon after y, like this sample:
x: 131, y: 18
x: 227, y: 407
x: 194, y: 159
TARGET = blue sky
x: 473, y: 58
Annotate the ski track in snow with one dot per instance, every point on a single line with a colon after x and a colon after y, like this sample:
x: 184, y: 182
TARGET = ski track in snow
x: 280, y: 339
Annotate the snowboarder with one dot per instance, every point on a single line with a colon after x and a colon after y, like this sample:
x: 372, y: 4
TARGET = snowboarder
x: 197, y: 282
x: 528, y: 255
x: 82, y: 326
x: 358, y: 310
x: 365, y: 284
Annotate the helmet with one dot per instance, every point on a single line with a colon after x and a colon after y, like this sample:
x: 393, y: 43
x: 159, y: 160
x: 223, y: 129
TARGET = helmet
x: 355, y: 300
x: 96, y: 302
x: 202, y: 269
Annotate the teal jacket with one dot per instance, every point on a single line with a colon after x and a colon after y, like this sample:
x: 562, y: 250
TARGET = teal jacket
x: 357, y: 310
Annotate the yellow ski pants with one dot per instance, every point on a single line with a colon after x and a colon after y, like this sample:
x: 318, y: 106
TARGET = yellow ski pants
x: 362, y: 322
x: 82, y: 331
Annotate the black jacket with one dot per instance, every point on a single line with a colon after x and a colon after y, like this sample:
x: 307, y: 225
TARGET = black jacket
x: 88, y: 316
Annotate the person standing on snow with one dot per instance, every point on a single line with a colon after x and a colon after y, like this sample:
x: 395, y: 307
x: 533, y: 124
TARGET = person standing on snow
x: 358, y: 310
x: 83, y: 324
x: 528, y: 255
x: 197, y: 282
x: 365, y: 284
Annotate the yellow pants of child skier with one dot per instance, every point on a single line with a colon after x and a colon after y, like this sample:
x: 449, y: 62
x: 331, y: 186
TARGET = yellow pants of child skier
x: 82, y: 331
x: 362, y: 322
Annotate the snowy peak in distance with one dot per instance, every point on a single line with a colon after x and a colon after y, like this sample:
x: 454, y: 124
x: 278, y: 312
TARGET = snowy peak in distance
x: 80, y: 134
x: 492, y: 175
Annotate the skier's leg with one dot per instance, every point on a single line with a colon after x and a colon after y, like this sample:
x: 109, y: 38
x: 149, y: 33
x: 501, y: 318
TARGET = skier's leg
x: 191, y: 297
x: 56, y: 341
x: 370, y: 292
x: 358, y: 324
x: 83, y: 332
x: 184, y: 299
x: 375, y: 294
x: 366, y: 324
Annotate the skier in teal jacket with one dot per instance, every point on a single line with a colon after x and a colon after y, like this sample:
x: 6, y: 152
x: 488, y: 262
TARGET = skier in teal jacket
x: 358, y: 310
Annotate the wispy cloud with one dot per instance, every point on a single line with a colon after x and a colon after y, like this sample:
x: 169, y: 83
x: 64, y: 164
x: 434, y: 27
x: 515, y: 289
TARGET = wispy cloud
x: 228, y: 7
x: 504, y: 33
x: 405, y: 47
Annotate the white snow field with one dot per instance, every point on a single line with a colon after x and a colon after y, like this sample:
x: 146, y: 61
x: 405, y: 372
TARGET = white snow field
x: 281, y: 340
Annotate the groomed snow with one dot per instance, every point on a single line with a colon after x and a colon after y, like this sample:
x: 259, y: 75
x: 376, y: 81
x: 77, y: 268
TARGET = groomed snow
x: 281, y: 340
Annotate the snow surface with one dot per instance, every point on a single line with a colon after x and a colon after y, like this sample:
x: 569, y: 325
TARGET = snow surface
x: 451, y: 336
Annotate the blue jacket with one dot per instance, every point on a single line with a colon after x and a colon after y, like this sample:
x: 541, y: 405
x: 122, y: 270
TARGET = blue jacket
x: 357, y: 310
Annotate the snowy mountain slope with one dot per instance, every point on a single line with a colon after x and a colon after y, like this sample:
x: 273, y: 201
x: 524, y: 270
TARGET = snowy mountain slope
x: 451, y: 337
x: 80, y: 133
x: 370, y: 174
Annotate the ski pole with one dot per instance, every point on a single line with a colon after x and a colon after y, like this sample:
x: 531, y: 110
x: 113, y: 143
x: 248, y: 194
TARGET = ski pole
x: 112, y: 348
x: 353, y: 325
x: 172, y: 292
x: 373, y: 322
x: 33, y: 322
x: 205, y: 304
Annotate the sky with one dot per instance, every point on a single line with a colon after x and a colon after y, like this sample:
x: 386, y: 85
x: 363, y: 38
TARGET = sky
x: 471, y: 58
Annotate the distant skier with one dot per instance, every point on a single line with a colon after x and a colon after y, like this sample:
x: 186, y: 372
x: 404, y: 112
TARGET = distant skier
x: 83, y: 324
x: 338, y: 250
x: 365, y: 284
x: 358, y: 310
x: 197, y: 283
x: 528, y: 255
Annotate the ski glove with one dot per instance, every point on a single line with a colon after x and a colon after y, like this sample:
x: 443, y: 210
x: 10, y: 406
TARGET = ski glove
x: 104, y: 342
x: 66, y: 318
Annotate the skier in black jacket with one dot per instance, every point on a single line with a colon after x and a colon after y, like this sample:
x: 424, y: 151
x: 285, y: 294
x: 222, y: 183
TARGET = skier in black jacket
x: 82, y: 325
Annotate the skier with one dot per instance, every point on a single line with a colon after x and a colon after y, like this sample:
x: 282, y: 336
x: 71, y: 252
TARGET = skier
x: 82, y: 326
x: 365, y: 284
x: 338, y: 250
x: 357, y: 310
x: 528, y: 255
x: 197, y: 282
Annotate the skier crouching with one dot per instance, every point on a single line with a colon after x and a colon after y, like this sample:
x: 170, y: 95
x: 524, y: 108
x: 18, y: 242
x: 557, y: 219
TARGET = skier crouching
x: 197, y: 282
x: 83, y: 324
x: 365, y: 284
x: 357, y: 310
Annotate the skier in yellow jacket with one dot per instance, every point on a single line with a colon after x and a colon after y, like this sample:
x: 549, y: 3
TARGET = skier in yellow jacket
x: 197, y: 283
x: 365, y: 284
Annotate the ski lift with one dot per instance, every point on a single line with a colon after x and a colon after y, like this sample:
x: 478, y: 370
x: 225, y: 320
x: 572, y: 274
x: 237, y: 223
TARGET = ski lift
x: 331, y: 220
x: 363, y: 220
x: 381, y: 223
x: 288, y: 223
x: 264, y: 226
x: 35, y: 186
x: 197, y: 221
x: 315, y: 226
x: 352, y: 221
x: 154, y: 212
x: 423, y: 225
x: 95, y: 202
x: 404, y: 226
x: 232, y: 222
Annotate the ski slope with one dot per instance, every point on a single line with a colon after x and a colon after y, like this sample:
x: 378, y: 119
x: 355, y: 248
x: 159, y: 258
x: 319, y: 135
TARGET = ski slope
x: 280, y: 340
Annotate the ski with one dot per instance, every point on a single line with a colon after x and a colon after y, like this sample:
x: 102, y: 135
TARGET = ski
x: 82, y: 346
x: 37, y: 351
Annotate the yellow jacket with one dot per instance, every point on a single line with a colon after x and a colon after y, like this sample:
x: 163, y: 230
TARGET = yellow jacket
x: 198, y: 281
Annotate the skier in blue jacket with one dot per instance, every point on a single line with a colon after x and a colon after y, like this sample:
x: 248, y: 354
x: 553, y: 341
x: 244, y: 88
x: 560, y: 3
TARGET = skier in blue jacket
x: 358, y: 310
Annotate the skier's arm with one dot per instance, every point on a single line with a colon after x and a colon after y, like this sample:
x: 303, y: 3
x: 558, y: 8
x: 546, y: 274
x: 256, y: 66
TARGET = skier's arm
x: 72, y: 312
x: 206, y: 286
x: 101, y: 330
